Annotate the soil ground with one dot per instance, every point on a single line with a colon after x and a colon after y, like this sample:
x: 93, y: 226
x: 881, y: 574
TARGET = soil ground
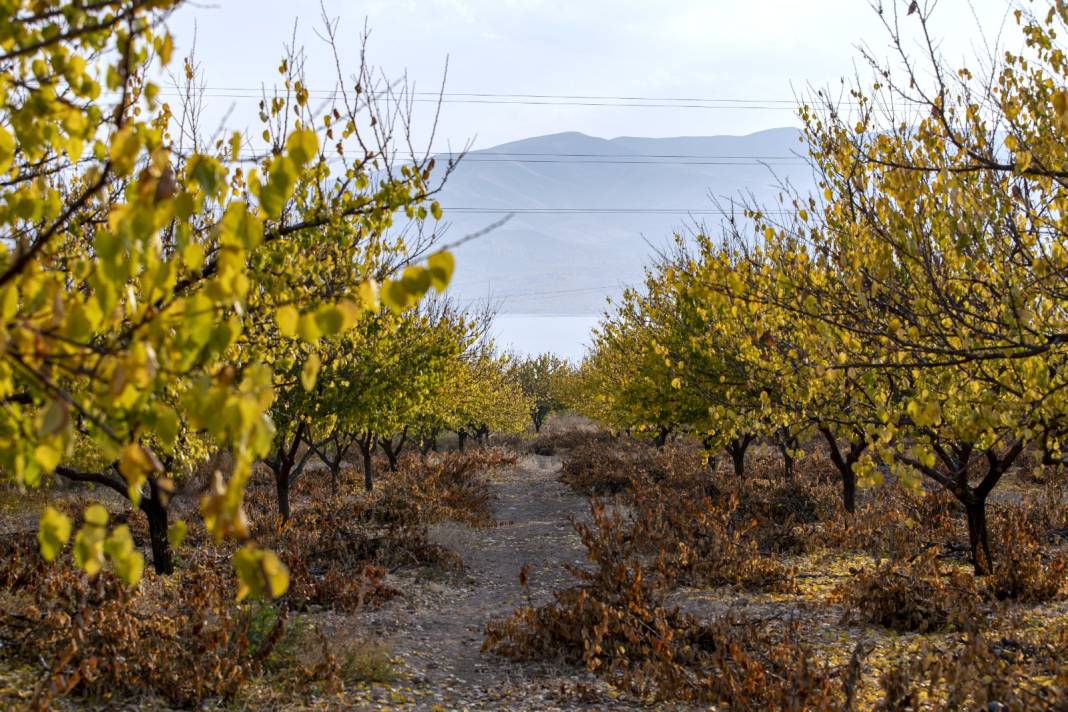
x: 434, y: 629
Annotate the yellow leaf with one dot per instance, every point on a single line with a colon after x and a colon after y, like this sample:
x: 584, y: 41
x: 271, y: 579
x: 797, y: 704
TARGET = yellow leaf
x: 96, y: 515
x: 52, y: 533
x: 286, y: 317
x: 176, y: 534
x: 441, y: 266
x: 260, y: 574
x: 47, y: 456
x: 310, y: 372
x: 302, y: 146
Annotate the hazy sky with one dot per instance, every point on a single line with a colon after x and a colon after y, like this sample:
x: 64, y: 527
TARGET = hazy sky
x: 706, y: 49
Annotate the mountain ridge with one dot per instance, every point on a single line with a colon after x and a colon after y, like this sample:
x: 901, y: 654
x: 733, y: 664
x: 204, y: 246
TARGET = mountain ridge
x: 584, y: 226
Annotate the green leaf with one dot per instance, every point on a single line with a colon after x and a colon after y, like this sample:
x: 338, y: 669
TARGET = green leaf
x: 395, y: 296
x: 7, y: 149
x: 130, y: 568
x: 368, y: 292
x: 416, y: 281
x: 167, y: 425
x: 125, y: 145
x: 281, y: 180
x: 52, y: 533
x: 207, y: 172
x: 119, y: 543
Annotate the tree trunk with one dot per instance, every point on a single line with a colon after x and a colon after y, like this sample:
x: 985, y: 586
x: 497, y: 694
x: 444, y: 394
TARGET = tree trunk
x: 335, y: 477
x: 368, y: 471
x: 367, y: 448
x: 956, y: 458
x: 662, y: 436
x: 979, y: 536
x: 787, y: 443
x: 787, y: 462
x: 461, y: 439
x: 737, y: 448
x: 162, y: 560
x: 845, y: 466
x: 281, y: 488
x: 849, y: 490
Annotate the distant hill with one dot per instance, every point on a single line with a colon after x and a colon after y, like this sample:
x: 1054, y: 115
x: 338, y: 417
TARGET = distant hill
x: 567, y: 248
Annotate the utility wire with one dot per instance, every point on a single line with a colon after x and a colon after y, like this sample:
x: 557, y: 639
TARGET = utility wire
x: 708, y: 104
x: 602, y: 211
x: 258, y: 93
x: 607, y: 160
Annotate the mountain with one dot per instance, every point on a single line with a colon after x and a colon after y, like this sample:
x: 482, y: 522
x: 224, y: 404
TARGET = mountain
x: 590, y: 212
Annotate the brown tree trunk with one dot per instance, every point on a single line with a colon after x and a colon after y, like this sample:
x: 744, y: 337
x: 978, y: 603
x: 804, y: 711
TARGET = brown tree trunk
x: 281, y: 488
x: 367, y: 446
x: 845, y: 466
x: 979, y: 536
x: 737, y: 448
x: 787, y: 444
x: 156, y: 512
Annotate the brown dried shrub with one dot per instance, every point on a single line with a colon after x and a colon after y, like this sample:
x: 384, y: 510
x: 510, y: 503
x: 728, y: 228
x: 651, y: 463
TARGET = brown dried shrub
x: 910, y: 595
x: 340, y: 548
x: 1023, y: 569
x: 558, y: 442
x: 892, y: 523
x: 185, y: 641
x: 703, y: 541
x: 451, y: 486
x: 614, y: 622
x: 981, y: 673
x: 593, y: 470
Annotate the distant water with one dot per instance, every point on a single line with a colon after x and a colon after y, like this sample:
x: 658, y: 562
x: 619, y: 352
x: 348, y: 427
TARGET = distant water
x: 565, y: 335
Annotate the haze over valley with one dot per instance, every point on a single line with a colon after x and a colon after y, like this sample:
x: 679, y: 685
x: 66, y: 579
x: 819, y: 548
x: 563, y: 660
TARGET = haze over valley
x: 587, y: 213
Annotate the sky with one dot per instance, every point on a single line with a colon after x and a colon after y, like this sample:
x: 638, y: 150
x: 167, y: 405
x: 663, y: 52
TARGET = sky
x: 743, y: 55
x: 699, y: 68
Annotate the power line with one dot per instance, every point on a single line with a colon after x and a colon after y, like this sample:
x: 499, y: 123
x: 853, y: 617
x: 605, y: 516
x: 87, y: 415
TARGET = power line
x: 602, y: 211
x: 494, y: 152
x: 535, y: 100
x: 658, y: 162
x: 257, y: 93
x: 556, y: 292
x: 607, y: 160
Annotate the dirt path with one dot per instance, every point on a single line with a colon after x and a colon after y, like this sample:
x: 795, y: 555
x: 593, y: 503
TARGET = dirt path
x: 436, y: 627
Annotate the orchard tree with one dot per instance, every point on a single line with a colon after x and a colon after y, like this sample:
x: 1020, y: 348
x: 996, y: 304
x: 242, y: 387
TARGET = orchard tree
x: 136, y: 270
x: 543, y: 379
x: 938, y: 252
